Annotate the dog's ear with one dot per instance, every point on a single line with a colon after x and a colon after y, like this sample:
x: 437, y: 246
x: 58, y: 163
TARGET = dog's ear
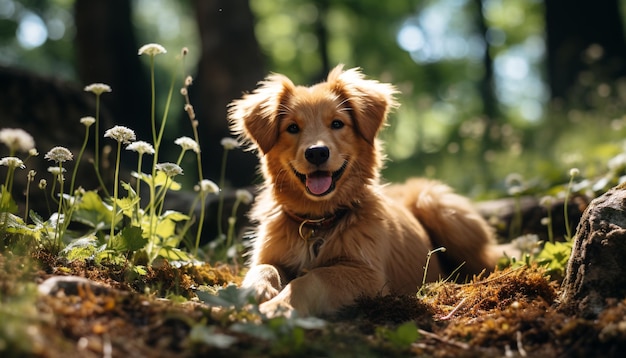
x: 370, y: 101
x: 254, y: 117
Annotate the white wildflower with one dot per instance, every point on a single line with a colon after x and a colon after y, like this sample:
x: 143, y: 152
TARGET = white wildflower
x: 229, y: 143
x: 12, y: 162
x: 17, y: 139
x: 244, y: 196
x: 546, y: 201
x: 97, y: 88
x: 207, y: 186
x: 59, y: 154
x: 42, y: 184
x: 121, y: 134
x: 33, y: 152
x: 56, y: 170
x: 141, y: 147
x: 152, y: 49
x: 527, y: 243
x: 170, y: 169
x: 574, y: 172
x: 87, y: 121
x: 188, y: 144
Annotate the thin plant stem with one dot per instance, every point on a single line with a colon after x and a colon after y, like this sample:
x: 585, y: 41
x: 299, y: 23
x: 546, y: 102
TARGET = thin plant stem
x: 115, y: 190
x: 155, y: 158
x: 430, y: 253
x: 57, y: 239
x: 220, y: 204
x: 232, y: 220
x: 8, y: 184
x: 96, y: 163
x: 550, y: 229
x: 202, y: 209
x: 167, y: 108
x: 194, y: 126
x: 568, y: 230
x: 138, y: 189
x: 180, y: 157
x: 78, y: 159
x: 31, y: 177
x: 153, y: 102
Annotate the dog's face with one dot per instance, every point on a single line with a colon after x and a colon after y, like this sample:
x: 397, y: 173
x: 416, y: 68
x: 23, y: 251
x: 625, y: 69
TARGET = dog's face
x: 317, y: 144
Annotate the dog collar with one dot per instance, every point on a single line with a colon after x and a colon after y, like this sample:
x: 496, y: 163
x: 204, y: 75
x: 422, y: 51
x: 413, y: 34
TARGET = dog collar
x: 317, y: 223
x: 313, y: 241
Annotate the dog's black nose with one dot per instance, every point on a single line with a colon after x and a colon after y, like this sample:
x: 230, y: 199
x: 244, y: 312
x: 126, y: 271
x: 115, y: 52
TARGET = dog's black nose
x: 317, y: 154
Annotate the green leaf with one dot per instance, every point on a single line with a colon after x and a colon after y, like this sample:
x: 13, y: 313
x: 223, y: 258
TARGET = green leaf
x: 231, y: 296
x: 161, y: 179
x: 174, y: 254
x: 129, y: 240
x: 81, y: 249
x: 140, y: 270
x: 166, y: 228
x: 7, y: 204
x: 208, y: 335
x: 174, y: 215
x: 555, y: 255
x: 92, y: 211
x: 402, y: 337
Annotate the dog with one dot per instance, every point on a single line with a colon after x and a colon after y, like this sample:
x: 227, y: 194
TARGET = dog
x: 327, y: 230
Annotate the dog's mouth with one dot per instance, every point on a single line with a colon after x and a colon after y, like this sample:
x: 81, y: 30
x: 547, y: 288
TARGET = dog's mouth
x: 320, y: 183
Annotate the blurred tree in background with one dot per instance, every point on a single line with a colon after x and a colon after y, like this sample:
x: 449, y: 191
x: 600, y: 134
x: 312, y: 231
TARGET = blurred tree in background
x: 489, y: 87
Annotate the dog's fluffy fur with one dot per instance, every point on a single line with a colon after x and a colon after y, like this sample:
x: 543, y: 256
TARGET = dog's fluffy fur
x: 328, y: 231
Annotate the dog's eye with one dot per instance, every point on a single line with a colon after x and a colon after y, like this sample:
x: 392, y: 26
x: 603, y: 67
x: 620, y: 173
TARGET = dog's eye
x: 293, y: 129
x: 336, y: 124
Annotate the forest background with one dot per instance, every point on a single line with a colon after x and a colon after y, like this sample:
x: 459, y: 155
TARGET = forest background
x: 489, y: 87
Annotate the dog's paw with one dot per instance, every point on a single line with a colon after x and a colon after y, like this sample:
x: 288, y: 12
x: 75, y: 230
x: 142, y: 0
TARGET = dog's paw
x: 265, y: 291
x: 276, y: 308
x: 265, y: 280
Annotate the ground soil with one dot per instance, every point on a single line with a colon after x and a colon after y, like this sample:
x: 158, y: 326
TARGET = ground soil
x: 513, y: 312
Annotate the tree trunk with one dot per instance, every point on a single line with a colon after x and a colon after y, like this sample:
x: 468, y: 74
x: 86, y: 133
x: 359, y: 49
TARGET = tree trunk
x: 106, y: 52
x: 572, y: 27
x: 231, y: 63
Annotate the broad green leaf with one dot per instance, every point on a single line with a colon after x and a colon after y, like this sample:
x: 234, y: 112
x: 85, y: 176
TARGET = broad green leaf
x: 161, y: 179
x: 402, y: 337
x: 174, y: 215
x: 166, y: 228
x: 7, y: 204
x: 231, y: 296
x: 93, y: 212
x: 81, y: 249
x: 174, y: 254
x: 129, y: 240
x: 127, y: 205
x: 208, y: 336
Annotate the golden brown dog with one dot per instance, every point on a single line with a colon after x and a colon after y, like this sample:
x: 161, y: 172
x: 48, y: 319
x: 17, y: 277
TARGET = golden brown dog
x: 328, y: 231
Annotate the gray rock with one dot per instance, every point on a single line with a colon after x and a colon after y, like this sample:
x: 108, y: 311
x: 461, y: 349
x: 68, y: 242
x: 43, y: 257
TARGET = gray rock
x: 596, y: 270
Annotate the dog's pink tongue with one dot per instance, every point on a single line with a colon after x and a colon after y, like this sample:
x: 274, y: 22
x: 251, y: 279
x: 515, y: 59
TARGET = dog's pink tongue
x: 318, y: 184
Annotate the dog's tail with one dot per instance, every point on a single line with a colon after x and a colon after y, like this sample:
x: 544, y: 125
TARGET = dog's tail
x: 452, y: 222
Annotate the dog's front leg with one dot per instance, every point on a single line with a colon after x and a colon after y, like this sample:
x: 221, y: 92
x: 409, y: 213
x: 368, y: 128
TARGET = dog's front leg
x: 324, y: 290
x: 266, y: 280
